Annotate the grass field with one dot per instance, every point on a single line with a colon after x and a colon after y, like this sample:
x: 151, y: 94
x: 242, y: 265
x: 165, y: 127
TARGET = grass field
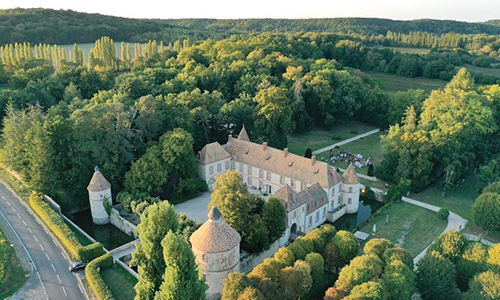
x: 406, y: 50
x: 120, y: 282
x: 12, y: 274
x: 396, y: 83
x: 318, y: 138
x: 409, y: 226
x: 368, y: 146
x: 484, y: 71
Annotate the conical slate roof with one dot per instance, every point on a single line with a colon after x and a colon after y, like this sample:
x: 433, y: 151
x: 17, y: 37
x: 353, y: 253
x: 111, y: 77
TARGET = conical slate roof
x: 98, y: 183
x: 215, y: 235
x: 350, y: 176
x: 243, y: 135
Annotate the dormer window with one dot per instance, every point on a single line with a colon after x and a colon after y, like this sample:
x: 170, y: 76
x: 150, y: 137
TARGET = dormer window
x: 268, y: 157
x: 316, y: 172
x: 290, y: 164
x: 246, y: 152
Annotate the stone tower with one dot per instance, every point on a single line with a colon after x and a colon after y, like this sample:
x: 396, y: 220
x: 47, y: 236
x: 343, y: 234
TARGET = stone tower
x: 99, y: 191
x: 350, y: 190
x: 216, y: 247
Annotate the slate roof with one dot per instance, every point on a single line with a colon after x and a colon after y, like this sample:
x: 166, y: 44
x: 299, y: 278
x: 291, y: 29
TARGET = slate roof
x: 283, y: 163
x: 243, y: 135
x: 313, y: 196
x: 98, y: 183
x: 350, y: 176
x: 211, y: 153
x: 215, y: 235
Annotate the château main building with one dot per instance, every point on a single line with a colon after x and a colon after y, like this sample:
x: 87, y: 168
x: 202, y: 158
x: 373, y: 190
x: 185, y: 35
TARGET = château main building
x: 312, y: 191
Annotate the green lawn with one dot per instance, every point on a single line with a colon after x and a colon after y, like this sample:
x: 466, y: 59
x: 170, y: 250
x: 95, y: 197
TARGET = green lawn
x: 409, y: 226
x: 318, y: 138
x: 484, y: 71
x: 12, y: 274
x: 406, y: 50
x: 120, y: 282
x: 396, y: 83
x: 368, y: 146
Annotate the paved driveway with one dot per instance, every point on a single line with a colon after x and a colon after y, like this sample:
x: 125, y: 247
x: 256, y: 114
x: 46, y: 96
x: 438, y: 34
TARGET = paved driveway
x: 195, y: 208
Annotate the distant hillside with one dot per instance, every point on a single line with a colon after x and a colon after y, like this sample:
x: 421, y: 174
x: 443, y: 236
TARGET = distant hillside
x: 366, y: 26
x: 39, y: 25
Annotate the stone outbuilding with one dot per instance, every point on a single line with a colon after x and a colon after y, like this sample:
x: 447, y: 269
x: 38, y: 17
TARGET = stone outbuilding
x: 99, y: 191
x: 216, y: 246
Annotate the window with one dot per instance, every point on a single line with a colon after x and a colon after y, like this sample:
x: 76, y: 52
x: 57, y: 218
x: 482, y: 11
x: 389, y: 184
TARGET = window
x: 249, y: 170
x: 226, y: 165
x: 310, y: 220
x: 350, y: 189
x: 349, y: 201
x: 261, y: 184
x: 269, y: 176
x: 338, y: 200
x: 337, y: 189
x: 324, y: 212
x: 302, y: 186
x: 211, y: 170
x: 282, y: 180
x: 241, y: 167
x: 294, y: 214
x: 261, y: 173
x: 293, y: 183
x: 233, y: 165
x: 219, y: 167
x: 249, y: 180
x: 317, y: 216
x: 303, y: 208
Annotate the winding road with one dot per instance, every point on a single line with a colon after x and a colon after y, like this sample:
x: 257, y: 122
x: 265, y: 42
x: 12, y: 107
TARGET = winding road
x: 50, y: 277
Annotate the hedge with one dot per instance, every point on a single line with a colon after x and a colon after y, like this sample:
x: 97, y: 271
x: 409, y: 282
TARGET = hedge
x: 63, y: 233
x: 97, y: 284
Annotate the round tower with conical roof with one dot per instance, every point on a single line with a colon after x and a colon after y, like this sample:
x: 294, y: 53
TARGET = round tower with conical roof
x: 216, y: 246
x: 350, y: 190
x: 99, y: 193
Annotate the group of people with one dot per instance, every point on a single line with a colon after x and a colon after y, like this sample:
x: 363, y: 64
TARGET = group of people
x: 348, y: 157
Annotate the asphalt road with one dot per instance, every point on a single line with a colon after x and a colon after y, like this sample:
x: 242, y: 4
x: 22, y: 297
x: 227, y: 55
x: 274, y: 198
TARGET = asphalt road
x: 50, y: 278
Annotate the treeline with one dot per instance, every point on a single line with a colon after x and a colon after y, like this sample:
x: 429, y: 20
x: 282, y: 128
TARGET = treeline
x: 48, y: 26
x: 364, y: 26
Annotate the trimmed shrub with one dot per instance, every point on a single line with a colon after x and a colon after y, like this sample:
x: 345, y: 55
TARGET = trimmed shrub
x: 97, y: 284
x: 63, y: 233
x: 443, y: 213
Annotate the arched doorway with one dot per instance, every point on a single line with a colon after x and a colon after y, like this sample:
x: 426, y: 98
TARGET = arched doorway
x: 293, y: 230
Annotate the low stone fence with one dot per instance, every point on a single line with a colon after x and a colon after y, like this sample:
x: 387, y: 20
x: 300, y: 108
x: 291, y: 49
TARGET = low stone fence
x: 122, y: 224
x: 475, y: 238
x: 250, y: 261
x: 52, y: 204
x: 379, y: 194
x: 336, y: 214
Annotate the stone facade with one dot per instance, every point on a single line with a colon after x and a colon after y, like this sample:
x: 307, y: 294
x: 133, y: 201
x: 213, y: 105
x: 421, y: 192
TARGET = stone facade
x: 322, y: 192
x: 99, y: 191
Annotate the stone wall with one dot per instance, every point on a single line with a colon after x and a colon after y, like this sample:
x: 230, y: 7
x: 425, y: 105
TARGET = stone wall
x: 122, y: 224
x: 248, y: 262
x: 52, y: 204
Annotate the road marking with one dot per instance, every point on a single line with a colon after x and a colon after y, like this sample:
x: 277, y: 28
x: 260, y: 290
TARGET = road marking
x: 30, y: 230
x: 41, y: 246
x: 59, y: 278
x: 13, y: 209
x: 19, y: 216
x: 41, y: 282
x: 36, y: 239
x: 64, y: 290
x: 22, y: 243
x: 8, y: 203
x: 3, y: 198
x: 53, y: 268
x: 48, y: 257
x: 24, y: 223
x: 46, y: 231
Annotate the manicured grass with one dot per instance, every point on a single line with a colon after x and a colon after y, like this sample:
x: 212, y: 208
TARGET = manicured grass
x: 368, y: 146
x: 484, y: 71
x: 120, y: 282
x: 490, y: 235
x: 458, y: 200
x: 12, y: 274
x: 318, y: 138
x: 407, y: 50
x: 410, y: 226
x: 396, y: 83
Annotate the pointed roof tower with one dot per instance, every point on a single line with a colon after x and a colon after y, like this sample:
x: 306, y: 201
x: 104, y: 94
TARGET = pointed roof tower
x: 215, y: 235
x: 98, y: 183
x: 243, y: 134
x: 350, y: 176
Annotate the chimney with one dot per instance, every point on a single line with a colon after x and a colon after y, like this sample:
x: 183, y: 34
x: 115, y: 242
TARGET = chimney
x: 264, y: 146
x: 286, y: 152
x: 313, y: 159
x: 199, y: 154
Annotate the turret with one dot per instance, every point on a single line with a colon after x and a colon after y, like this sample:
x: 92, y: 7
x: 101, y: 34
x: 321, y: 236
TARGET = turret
x: 100, y: 197
x: 350, y: 190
